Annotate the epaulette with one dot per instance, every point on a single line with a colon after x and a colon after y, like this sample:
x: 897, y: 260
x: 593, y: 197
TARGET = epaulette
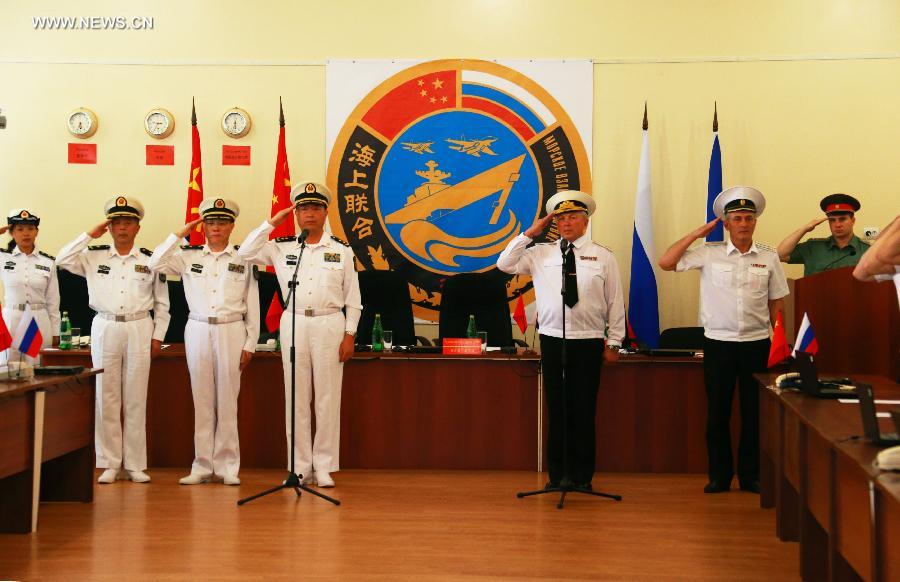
x: 255, y: 272
x: 602, y: 246
x: 191, y: 247
x: 237, y: 247
x: 286, y: 239
x: 339, y: 240
x: 715, y: 243
x: 822, y: 239
x: 765, y: 247
x: 147, y: 252
x: 51, y: 257
x: 5, y: 250
x: 98, y: 247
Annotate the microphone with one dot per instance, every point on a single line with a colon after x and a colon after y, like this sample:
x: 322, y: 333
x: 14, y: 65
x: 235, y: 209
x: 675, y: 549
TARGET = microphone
x: 301, y: 238
x: 852, y: 253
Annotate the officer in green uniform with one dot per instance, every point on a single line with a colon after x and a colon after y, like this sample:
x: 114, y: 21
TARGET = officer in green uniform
x: 841, y: 249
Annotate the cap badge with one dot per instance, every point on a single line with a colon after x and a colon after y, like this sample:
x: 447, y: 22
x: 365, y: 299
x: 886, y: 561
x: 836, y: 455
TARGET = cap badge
x: 121, y: 201
x: 219, y: 203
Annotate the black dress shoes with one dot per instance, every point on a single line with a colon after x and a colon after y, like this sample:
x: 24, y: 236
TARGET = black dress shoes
x: 717, y: 487
x: 752, y: 486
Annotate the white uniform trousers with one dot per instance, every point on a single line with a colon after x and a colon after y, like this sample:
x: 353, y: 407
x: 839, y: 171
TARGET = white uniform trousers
x: 213, y: 358
x: 122, y: 349
x: 12, y: 317
x: 318, y: 340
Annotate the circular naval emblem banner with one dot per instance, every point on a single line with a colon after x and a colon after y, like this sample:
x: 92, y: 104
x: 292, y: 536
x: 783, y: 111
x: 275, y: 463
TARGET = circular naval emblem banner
x: 441, y: 165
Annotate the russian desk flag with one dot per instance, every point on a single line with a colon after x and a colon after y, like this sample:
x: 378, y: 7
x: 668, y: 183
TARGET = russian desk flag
x: 806, y: 340
x: 27, y: 338
x: 714, y: 183
x: 643, y: 300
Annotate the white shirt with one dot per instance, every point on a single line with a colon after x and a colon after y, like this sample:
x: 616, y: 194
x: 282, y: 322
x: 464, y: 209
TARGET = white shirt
x: 600, y: 301
x: 216, y: 284
x: 118, y: 285
x: 735, y: 289
x: 31, y: 279
x: 327, y: 277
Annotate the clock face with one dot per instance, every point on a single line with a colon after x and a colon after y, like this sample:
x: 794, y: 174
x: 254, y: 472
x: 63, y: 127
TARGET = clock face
x: 159, y: 123
x: 80, y: 123
x: 236, y: 123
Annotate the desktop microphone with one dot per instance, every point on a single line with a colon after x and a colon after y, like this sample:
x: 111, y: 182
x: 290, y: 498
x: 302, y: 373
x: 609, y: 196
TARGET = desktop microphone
x: 301, y: 238
x: 852, y: 253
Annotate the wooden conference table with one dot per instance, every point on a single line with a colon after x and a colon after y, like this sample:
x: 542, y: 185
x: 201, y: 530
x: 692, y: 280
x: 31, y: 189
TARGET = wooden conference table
x: 46, y: 446
x: 817, y: 472
x: 417, y: 411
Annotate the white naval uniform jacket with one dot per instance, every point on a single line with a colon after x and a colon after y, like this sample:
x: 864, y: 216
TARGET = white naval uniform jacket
x: 30, y: 279
x: 327, y: 278
x: 119, y: 285
x: 215, y: 284
x: 600, y: 311
x: 735, y: 289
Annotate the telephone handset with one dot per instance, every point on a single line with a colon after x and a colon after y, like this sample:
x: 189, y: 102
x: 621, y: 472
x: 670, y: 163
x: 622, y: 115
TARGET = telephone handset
x: 889, y: 459
x: 789, y: 380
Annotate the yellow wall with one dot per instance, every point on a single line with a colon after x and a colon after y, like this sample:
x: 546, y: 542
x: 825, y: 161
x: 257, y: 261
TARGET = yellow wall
x: 794, y: 121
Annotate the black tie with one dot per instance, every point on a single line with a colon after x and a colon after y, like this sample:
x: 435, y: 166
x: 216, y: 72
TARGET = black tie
x: 570, y: 294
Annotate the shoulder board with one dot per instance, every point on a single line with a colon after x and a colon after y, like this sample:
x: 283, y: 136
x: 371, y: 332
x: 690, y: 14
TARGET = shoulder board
x: 237, y: 247
x: 5, y: 250
x: 715, y: 243
x: 51, y: 257
x: 191, y: 247
x: 765, y: 247
x: 602, y: 246
x: 98, y: 248
x: 147, y: 252
x: 822, y: 239
x: 286, y: 239
x: 334, y: 238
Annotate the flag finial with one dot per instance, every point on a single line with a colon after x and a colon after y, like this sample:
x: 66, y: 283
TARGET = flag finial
x: 280, y: 112
x: 715, y: 116
x: 193, y: 112
x: 645, y: 116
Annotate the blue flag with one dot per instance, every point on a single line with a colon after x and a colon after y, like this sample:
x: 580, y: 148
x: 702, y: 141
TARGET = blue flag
x: 714, y: 187
x: 643, y: 299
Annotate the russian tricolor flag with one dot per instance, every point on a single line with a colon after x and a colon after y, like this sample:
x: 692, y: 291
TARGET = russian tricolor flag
x: 27, y: 338
x: 806, y: 339
x: 643, y: 300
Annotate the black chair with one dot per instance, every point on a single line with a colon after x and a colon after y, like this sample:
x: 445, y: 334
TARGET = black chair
x: 73, y: 299
x: 178, y: 313
x: 387, y: 293
x: 268, y: 288
x: 482, y: 295
x: 681, y: 338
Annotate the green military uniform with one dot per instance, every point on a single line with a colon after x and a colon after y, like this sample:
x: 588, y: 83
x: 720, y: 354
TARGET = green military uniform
x: 823, y: 254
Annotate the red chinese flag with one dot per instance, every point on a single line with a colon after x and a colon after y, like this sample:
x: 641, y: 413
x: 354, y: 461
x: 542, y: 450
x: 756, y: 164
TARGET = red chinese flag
x: 281, y: 190
x: 273, y: 315
x: 411, y: 100
x: 519, y: 315
x: 780, y: 351
x: 195, y: 184
x: 5, y: 337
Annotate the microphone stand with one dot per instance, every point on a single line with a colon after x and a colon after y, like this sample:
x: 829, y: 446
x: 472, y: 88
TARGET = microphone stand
x: 294, y: 481
x: 565, y: 485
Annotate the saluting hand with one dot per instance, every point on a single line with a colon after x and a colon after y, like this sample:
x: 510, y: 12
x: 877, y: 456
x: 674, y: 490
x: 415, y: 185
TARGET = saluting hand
x: 4, y: 228
x: 811, y: 226
x: 706, y: 228
x: 539, y: 226
x: 184, y: 232
x: 98, y: 230
x: 281, y: 215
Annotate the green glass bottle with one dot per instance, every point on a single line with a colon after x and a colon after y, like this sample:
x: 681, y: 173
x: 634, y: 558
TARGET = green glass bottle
x: 471, y: 331
x: 65, y: 332
x: 377, y: 335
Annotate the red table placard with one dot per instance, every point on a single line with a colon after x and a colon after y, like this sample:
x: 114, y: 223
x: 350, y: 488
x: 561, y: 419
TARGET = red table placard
x: 160, y: 155
x: 235, y: 155
x: 82, y: 153
x: 455, y: 346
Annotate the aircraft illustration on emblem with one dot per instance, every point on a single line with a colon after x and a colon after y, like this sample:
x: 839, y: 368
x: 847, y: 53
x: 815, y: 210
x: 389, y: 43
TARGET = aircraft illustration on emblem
x: 419, y: 148
x: 473, y: 147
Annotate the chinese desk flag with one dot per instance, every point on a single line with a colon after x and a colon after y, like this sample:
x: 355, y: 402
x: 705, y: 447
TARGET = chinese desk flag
x: 780, y: 350
x: 5, y: 338
x: 519, y: 315
x: 195, y: 184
